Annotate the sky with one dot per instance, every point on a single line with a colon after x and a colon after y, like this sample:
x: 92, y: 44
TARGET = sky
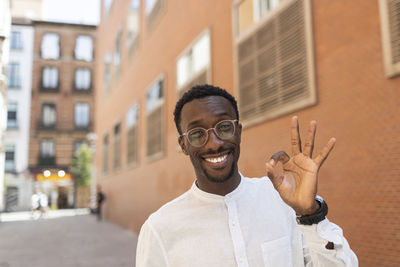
x: 72, y: 11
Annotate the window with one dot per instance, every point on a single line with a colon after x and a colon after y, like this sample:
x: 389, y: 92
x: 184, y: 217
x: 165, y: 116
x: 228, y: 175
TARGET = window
x: 193, y: 67
x: 155, y: 121
x: 50, y: 48
x: 117, y: 146
x: 153, y: 11
x: 12, y: 115
x: 390, y: 30
x: 16, y: 40
x: 82, y: 79
x: 275, y: 64
x: 107, y: 73
x: 132, y: 25
x: 251, y: 11
x: 47, y: 152
x: 14, y: 78
x: 107, y: 5
x: 84, y: 48
x: 49, y: 115
x: 10, y: 158
x: 117, y: 51
x: 132, y: 117
x: 50, y: 78
x: 78, y: 144
x: 81, y: 115
x: 105, y: 154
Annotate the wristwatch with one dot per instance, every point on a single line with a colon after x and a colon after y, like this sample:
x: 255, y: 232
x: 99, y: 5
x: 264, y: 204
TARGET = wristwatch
x: 316, y: 217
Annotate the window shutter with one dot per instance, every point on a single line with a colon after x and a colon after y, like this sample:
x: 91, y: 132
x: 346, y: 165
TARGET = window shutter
x: 390, y: 25
x: 200, y: 78
x: 105, y: 154
x: 132, y: 145
x: 274, y: 70
x: 155, y: 13
x: 154, y: 131
x: 394, y: 18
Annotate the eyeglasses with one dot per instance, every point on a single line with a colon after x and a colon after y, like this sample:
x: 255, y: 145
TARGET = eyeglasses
x: 224, y: 130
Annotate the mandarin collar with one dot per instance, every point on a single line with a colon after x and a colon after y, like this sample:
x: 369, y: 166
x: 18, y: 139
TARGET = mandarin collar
x: 214, y: 197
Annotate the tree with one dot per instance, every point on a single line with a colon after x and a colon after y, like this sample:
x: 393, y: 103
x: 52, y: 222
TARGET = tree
x: 82, y: 166
x: 81, y: 169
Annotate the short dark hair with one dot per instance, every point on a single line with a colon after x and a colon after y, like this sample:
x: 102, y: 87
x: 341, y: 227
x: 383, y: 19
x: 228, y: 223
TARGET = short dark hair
x: 200, y: 91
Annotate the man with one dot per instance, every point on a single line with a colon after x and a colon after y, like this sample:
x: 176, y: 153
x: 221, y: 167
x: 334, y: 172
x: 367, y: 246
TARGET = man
x: 226, y: 219
x: 100, y: 198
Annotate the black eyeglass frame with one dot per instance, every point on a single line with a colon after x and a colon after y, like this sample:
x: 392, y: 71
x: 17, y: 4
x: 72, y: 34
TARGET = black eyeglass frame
x: 207, y: 135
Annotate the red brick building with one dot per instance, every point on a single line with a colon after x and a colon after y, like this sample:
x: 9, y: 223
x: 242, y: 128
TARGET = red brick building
x: 333, y: 61
x: 62, y: 109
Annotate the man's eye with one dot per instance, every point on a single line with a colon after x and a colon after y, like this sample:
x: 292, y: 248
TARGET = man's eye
x: 196, y: 134
x: 225, y: 127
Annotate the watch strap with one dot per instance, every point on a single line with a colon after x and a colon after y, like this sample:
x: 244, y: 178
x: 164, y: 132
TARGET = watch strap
x: 316, y: 217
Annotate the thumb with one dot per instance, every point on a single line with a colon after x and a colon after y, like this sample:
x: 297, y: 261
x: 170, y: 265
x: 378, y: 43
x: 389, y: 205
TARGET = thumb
x: 273, y: 175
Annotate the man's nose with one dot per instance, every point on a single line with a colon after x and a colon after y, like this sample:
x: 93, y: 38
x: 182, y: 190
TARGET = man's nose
x: 213, y: 139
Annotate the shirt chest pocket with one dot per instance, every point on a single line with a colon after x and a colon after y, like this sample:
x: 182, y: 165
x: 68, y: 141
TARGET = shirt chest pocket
x: 277, y: 252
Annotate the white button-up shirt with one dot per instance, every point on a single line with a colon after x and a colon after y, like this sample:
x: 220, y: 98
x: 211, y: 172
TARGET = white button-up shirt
x: 251, y: 226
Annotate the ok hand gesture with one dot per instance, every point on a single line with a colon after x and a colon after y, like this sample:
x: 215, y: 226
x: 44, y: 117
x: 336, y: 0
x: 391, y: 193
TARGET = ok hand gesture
x: 297, y: 180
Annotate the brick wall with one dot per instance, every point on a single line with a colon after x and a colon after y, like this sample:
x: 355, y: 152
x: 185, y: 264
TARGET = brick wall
x: 357, y: 104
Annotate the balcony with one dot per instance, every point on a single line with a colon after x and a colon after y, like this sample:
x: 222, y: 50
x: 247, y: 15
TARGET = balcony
x: 87, y: 91
x: 46, y: 89
x: 46, y: 160
x: 42, y: 126
x: 84, y: 128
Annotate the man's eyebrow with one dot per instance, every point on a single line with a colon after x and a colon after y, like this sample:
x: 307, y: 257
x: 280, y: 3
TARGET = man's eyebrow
x: 196, y: 122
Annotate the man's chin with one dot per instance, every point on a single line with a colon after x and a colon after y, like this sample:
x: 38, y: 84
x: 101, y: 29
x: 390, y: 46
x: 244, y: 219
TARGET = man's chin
x: 221, y: 178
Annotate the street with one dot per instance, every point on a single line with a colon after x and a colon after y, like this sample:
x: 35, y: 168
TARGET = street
x: 64, y: 238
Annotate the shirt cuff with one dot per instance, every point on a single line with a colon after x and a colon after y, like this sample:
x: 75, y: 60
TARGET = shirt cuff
x: 323, y: 232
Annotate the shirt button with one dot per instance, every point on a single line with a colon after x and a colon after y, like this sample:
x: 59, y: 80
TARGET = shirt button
x: 241, y: 259
x: 233, y: 223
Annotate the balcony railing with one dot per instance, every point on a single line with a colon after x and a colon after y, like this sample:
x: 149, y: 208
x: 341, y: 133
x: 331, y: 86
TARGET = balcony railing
x: 81, y: 90
x: 88, y: 127
x: 46, y: 160
x: 42, y: 126
x: 45, y: 89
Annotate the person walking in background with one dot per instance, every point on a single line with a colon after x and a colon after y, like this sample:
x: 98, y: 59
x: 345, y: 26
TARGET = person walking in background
x: 100, y: 198
x: 39, y: 204
x: 227, y: 219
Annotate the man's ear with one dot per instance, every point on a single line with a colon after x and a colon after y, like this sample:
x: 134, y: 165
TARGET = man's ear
x: 181, y: 141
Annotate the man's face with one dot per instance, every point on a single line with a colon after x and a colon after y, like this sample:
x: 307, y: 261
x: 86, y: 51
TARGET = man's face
x: 217, y: 159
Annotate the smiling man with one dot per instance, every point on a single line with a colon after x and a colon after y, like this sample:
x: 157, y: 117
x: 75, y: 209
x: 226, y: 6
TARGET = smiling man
x: 226, y: 219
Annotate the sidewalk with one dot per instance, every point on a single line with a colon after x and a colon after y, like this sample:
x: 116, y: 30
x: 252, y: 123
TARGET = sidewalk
x: 67, y: 241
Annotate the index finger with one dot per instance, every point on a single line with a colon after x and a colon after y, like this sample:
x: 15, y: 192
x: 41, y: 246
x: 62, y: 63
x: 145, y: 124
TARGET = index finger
x: 295, y: 136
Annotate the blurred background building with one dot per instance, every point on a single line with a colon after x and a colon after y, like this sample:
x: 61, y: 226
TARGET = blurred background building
x: 62, y: 104
x: 333, y: 61
x: 47, y: 105
x: 16, y: 139
x: 5, y: 25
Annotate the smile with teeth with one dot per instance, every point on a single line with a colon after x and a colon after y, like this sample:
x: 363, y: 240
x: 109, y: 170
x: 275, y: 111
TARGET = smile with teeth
x: 217, y: 159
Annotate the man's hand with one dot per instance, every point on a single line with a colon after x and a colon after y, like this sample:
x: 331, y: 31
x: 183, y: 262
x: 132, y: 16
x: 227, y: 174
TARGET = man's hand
x: 296, y: 181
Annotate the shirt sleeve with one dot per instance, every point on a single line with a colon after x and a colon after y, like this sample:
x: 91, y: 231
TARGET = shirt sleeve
x: 316, y: 237
x: 150, y: 251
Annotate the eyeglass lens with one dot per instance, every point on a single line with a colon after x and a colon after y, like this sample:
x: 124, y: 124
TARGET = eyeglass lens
x: 223, y: 129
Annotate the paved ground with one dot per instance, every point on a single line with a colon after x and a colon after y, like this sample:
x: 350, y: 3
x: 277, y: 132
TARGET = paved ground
x: 64, y: 241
